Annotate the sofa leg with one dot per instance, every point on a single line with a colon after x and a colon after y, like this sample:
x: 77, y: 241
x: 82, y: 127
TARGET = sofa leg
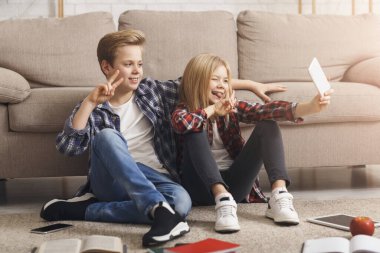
x: 358, y: 176
x: 3, y: 191
x: 358, y: 166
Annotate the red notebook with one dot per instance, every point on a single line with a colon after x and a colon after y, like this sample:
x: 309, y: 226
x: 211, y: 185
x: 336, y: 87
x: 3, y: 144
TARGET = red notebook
x: 205, y: 246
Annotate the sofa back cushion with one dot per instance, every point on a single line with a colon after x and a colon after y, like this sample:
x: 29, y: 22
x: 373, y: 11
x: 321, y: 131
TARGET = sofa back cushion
x: 55, y: 52
x: 280, y: 47
x: 174, y: 37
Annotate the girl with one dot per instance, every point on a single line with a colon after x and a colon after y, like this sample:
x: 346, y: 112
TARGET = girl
x: 217, y: 166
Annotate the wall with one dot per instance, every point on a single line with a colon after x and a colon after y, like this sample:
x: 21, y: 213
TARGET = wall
x: 48, y: 8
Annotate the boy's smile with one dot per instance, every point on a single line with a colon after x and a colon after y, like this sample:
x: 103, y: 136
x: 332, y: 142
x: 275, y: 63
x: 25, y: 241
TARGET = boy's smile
x: 128, y: 61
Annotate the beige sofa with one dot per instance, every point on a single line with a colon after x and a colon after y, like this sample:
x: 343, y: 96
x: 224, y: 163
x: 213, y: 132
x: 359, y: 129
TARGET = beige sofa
x: 48, y: 65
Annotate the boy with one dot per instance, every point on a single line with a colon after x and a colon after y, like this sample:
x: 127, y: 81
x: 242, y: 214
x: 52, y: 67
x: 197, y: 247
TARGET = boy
x: 129, y: 147
x: 125, y: 124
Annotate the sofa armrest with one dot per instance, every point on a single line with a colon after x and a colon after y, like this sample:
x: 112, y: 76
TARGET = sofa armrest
x: 13, y: 87
x: 366, y: 71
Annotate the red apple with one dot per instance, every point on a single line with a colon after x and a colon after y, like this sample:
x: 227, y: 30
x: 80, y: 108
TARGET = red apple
x: 362, y: 225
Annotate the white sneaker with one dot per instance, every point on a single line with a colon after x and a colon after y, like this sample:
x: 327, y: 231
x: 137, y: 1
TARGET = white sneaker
x: 226, y: 218
x: 281, y: 209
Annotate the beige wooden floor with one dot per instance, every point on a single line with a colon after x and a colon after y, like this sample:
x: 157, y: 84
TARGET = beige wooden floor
x: 27, y: 195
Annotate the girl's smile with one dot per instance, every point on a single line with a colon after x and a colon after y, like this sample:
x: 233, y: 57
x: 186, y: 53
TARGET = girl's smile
x: 218, y: 85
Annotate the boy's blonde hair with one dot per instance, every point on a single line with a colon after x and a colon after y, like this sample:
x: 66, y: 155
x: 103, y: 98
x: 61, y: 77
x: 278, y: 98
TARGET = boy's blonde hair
x: 109, y: 44
x: 196, y: 80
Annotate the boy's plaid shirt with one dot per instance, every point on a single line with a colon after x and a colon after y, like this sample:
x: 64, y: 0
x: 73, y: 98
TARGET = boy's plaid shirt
x: 184, y: 122
x: 156, y: 100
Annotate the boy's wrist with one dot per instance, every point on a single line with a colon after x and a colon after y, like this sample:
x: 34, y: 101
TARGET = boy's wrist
x: 88, y: 103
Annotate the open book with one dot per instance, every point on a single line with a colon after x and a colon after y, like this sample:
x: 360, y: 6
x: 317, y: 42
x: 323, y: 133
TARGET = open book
x: 92, y: 243
x: 358, y: 243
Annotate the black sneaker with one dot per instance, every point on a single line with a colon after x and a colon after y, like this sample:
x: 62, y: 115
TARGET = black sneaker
x: 70, y: 209
x: 167, y: 225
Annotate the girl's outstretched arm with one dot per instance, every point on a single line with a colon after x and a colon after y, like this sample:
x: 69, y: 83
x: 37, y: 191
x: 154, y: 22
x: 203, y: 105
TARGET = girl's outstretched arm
x: 317, y: 104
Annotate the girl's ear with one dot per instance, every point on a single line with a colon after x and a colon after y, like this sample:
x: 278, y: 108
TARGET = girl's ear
x: 106, y: 67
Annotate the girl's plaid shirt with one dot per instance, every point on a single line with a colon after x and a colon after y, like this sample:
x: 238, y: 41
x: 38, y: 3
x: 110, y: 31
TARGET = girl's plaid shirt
x: 184, y: 121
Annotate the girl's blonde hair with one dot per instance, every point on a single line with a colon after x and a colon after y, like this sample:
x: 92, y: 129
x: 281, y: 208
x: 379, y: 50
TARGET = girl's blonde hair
x: 196, y: 80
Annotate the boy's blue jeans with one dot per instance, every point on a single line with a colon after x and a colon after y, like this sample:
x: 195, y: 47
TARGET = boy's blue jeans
x: 127, y: 190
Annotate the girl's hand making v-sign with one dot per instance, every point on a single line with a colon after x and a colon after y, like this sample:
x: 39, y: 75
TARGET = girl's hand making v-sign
x: 225, y: 105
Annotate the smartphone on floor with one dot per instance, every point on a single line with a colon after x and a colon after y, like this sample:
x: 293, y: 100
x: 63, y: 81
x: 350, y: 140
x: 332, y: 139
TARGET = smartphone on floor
x: 50, y: 228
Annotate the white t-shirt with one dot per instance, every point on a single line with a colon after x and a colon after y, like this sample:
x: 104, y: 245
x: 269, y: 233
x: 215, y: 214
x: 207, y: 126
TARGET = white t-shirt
x: 219, y: 152
x: 138, y: 131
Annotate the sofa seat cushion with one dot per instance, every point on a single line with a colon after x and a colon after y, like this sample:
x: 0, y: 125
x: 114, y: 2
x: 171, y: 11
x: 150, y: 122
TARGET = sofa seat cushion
x: 351, y: 102
x: 46, y: 109
x: 280, y: 47
x: 55, y: 52
x: 174, y: 37
x: 13, y: 87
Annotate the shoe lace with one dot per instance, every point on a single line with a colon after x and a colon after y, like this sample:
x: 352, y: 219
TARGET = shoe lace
x: 226, y: 210
x: 285, y: 202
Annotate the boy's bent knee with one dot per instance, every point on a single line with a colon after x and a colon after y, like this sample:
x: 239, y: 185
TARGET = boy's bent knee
x: 106, y: 135
x: 107, y: 139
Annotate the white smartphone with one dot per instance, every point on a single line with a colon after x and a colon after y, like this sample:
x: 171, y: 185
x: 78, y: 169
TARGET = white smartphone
x: 50, y: 228
x: 318, y: 76
x: 339, y: 221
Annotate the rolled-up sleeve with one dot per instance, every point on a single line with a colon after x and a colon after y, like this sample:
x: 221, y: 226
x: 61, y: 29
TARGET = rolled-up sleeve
x: 71, y: 141
x: 276, y: 110
x: 184, y: 121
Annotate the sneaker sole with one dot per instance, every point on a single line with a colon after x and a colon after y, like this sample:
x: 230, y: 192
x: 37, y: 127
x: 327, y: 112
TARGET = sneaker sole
x: 269, y: 215
x: 84, y: 197
x: 227, y: 229
x: 179, y: 230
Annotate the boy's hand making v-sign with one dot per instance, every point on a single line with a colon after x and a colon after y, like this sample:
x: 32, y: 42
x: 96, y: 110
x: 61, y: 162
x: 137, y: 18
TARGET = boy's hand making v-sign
x: 103, y: 92
x: 100, y: 94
